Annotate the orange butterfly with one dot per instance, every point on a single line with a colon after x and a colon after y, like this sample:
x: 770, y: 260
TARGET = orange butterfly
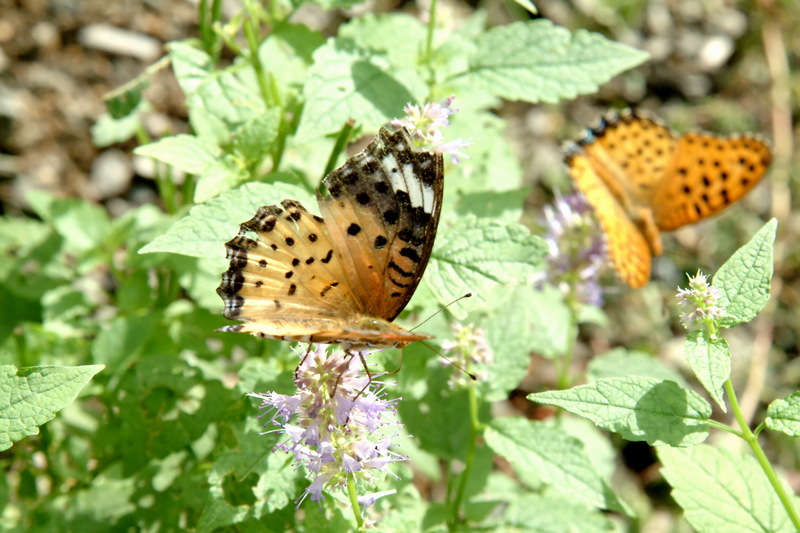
x: 641, y: 179
x: 343, y: 277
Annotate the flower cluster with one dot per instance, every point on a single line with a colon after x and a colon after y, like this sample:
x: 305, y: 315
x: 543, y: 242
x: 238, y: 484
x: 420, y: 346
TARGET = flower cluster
x: 468, y: 349
x: 576, y: 250
x: 702, y: 300
x: 338, y: 428
x: 425, y: 123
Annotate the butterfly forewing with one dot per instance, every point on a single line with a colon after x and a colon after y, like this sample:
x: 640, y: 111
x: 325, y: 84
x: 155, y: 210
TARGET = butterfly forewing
x: 630, y: 152
x: 707, y: 174
x: 386, y: 203
x: 297, y: 276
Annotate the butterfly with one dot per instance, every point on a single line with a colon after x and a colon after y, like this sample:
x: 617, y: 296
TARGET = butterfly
x: 340, y: 278
x: 641, y: 179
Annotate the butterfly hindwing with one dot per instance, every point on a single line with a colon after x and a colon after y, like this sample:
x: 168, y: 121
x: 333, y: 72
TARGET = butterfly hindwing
x: 386, y: 201
x: 627, y: 247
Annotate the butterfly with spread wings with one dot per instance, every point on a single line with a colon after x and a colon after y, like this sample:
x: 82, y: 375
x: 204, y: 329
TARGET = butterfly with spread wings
x: 642, y: 179
x: 340, y: 278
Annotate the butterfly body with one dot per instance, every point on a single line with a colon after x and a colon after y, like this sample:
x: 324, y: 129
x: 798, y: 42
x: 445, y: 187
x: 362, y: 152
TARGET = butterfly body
x: 344, y: 276
x: 641, y: 179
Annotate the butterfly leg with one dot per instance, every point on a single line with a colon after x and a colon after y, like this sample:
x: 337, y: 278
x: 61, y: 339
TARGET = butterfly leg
x: 303, y: 360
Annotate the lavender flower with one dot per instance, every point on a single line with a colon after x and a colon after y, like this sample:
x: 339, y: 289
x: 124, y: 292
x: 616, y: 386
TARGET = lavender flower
x: 576, y: 250
x: 702, y: 300
x: 333, y: 429
x: 468, y: 349
x: 425, y: 123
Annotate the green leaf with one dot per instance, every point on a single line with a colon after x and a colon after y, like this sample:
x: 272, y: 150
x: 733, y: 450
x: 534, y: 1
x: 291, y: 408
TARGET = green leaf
x: 723, y: 491
x: 620, y: 362
x: 550, y: 513
x: 190, y: 64
x: 254, y: 139
x: 539, y: 452
x: 108, y: 130
x: 638, y: 408
x: 219, y: 177
x: 347, y: 83
x: 784, y: 415
x: 536, y: 61
x: 540, y: 323
x: 287, y: 53
x: 503, y: 206
x: 549, y: 320
x: 744, y: 279
x: 398, y: 36
x: 184, y: 152
x: 203, y: 232
x: 476, y: 254
x: 32, y: 396
x: 710, y: 359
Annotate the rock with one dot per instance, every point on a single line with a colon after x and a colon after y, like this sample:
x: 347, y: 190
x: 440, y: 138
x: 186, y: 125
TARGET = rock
x: 120, y: 42
x: 715, y: 52
x: 111, y: 174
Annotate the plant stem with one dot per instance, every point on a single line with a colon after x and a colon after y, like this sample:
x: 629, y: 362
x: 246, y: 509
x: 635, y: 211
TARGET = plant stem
x: 562, y: 378
x: 431, y: 26
x: 353, y: 494
x: 250, y: 32
x: 469, y: 460
x: 750, y: 438
x: 338, y: 146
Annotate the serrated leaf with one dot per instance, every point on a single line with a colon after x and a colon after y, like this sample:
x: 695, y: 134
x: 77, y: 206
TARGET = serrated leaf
x: 184, y: 152
x: 348, y: 83
x: 108, y: 130
x: 208, y: 226
x: 638, y: 408
x: 722, y: 491
x: 546, y: 454
x: 536, y: 61
x: 503, y: 206
x: 515, y: 335
x: 710, y: 359
x: 190, y: 64
x: 475, y: 254
x: 254, y: 138
x: 784, y: 415
x: 30, y: 397
x: 620, y: 362
x: 218, y: 177
x: 287, y: 53
x: 549, y: 513
x: 276, y: 487
x: 397, y: 35
x: 744, y: 279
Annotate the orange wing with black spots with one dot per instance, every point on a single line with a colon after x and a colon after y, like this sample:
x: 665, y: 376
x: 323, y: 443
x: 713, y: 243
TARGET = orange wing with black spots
x: 641, y: 179
x: 344, y: 276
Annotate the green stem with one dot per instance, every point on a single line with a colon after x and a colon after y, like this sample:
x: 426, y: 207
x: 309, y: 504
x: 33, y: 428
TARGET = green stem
x: 251, y: 34
x: 353, y: 494
x: 469, y: 460
x: 338, y: 147
x: 563, y: 380
x: 750, y: 438
x: 431, y: 27
x: 724, y: 427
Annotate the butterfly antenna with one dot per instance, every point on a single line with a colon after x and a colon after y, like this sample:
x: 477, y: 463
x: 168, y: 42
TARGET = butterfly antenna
x: 472, y: 376
x: 468, y: 295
